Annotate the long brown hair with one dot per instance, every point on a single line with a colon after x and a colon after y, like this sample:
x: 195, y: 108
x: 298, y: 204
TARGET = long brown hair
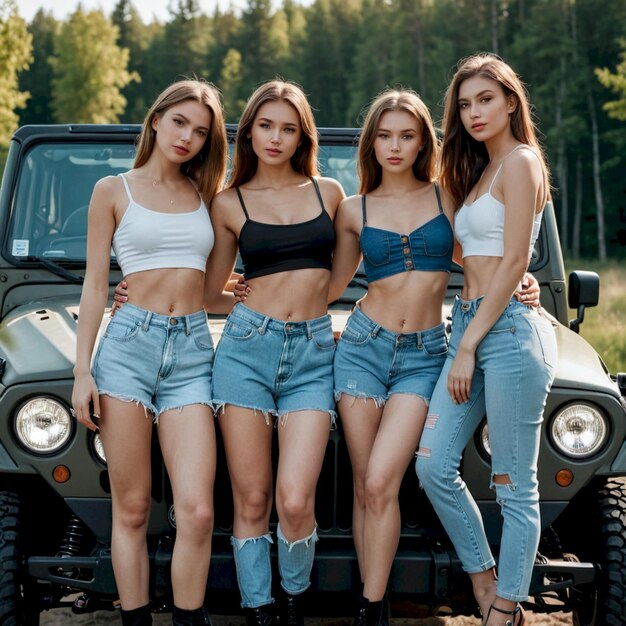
x: 425, y: 165
x: 304, y: 160
x: 463, y: 159
x: 208, y: 167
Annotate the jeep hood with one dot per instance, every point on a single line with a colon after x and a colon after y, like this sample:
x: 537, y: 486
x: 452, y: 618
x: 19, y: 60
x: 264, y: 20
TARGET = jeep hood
x: 579, y: 365
x: 38, y: 341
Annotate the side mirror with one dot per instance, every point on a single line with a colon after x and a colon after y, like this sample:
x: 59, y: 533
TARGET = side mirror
x: 583, y: 291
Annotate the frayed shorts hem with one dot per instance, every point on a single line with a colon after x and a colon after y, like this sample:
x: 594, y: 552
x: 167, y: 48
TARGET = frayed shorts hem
x: 274, y: 414
x: 380, y: 401
x: 156, y: 414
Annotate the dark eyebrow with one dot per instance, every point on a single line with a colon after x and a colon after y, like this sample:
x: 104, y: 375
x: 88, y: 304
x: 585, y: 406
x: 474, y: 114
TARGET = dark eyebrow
x: 267, y: 119
x: 406, y: 130
x: 478, y: 95
x: 188, y: 121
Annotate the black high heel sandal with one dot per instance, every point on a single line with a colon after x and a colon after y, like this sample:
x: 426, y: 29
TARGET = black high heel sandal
x: 515, y: 614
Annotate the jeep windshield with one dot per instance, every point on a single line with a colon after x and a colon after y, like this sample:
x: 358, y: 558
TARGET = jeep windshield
x: 49, y: 217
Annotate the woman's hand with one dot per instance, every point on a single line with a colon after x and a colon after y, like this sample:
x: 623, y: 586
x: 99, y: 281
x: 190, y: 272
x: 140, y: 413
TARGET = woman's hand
x: 530, y: 292
x: 241, y: 290
x: 84, y: 395
x: 460, y: 375
x: 119, y: 297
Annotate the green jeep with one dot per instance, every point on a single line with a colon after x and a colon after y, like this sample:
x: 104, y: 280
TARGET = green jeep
x: 55, y: 507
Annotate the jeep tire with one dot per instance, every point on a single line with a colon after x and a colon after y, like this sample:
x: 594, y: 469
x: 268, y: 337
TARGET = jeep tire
x: 12, y: 606
x: 612, y: 504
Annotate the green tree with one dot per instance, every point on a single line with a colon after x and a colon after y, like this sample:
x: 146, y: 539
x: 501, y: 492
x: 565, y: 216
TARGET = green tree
x: 135, y: 36
x: 37, y: 80
x: 15, y: 56
x: 617, y: 84
x: 230, y: 82
x: 263, y: 44
x: 90, y: 70
x: 186, y: 39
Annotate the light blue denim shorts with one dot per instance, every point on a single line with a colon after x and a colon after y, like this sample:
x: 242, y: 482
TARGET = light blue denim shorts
x: 158, y: 361
x: 274, y: 366
x: 373, y: 362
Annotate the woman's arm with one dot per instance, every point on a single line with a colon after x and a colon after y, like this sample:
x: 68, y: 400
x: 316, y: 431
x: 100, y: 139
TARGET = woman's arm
x: 101, y: 225
x: 221, y: 261
x: 347, y: 253
x: 521, y: 180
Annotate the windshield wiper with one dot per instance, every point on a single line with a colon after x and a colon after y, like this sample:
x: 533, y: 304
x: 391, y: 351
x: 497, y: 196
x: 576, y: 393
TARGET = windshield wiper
x: 60, y: 271
x: 57, y: 269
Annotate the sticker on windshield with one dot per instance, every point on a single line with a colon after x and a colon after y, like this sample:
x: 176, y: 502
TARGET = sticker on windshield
x: 20, y: 247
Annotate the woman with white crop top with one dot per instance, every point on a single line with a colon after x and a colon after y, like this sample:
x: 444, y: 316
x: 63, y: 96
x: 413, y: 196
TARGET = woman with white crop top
x: 502, y: 353
x: 155, y: 357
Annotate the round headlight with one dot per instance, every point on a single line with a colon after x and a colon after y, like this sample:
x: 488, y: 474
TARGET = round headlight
x: 484, y: 438
x: 43, y: 425
x: 579, y: 430
x: 98, y: 448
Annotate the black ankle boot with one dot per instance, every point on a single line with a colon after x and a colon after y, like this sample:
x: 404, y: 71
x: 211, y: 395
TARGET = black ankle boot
x: 290, y: 610
x: 260, y: 616
x: 368, y: 613
x: 137, y: 617
x: 197, y: 617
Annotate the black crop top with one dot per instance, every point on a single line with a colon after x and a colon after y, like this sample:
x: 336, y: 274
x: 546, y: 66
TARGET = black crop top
x: 271, y: 248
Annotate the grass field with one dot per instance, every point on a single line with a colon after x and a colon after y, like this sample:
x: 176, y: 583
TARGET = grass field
x: 605, y: 325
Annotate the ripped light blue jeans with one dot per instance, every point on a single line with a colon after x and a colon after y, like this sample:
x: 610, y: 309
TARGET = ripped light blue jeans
x: 514, y: 370
x: 254, y: 570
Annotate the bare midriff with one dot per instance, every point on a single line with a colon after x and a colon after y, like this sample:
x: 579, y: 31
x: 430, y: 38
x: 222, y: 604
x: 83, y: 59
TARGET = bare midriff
x: 169, y: 291
x: 295, y: 295
x: 406, y: 302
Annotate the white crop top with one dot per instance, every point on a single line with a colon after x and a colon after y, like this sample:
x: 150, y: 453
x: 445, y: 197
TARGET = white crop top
x: 149, y: 240
x: 479, y: 226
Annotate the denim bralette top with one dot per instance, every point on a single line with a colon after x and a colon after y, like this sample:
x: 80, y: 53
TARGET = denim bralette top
x: 428, y: 248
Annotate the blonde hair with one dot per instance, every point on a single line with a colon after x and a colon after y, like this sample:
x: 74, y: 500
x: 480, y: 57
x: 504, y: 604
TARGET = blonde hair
x: 425, y: 165
x: 208, y: 167
x: 463, y: 158
x: 304, y: 160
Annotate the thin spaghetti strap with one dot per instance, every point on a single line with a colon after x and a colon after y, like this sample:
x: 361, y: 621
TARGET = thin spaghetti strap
x: 363, y: 209
x: 318, y: 192
x: 193, y: 184
x: 243, y: 204
x: 493, y: 180
x: 130, y: 196
x: 438, y: 197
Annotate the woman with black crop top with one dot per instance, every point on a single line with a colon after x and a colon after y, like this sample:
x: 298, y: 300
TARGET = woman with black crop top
x: 274, y: 360
x: 154, y: 358
x: 502, y: 354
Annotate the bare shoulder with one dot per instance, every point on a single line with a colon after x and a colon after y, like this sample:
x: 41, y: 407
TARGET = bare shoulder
x: 107, y: 192
x: 350, y: 212
x: 448, y: 203
x: 331, y: 191
x: 524, y: 160
x: 224, y: 205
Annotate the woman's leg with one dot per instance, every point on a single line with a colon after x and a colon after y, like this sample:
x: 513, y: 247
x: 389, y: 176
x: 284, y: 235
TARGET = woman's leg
x: 517, y: 381
x: 248, y: 446
x: 447, y: 430
x: 395, y: 445
x: 126, y: 434
x: 303, y: 437
x: 187, y: 439
x: 360, y: 420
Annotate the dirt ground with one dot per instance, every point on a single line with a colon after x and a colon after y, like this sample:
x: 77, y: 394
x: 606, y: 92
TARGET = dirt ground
x: 62, y: 617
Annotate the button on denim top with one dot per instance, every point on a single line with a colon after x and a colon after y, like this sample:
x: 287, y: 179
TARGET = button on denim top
x: 428, y: 248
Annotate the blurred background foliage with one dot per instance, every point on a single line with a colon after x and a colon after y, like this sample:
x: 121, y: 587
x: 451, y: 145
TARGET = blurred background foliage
x: 100, y: 68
